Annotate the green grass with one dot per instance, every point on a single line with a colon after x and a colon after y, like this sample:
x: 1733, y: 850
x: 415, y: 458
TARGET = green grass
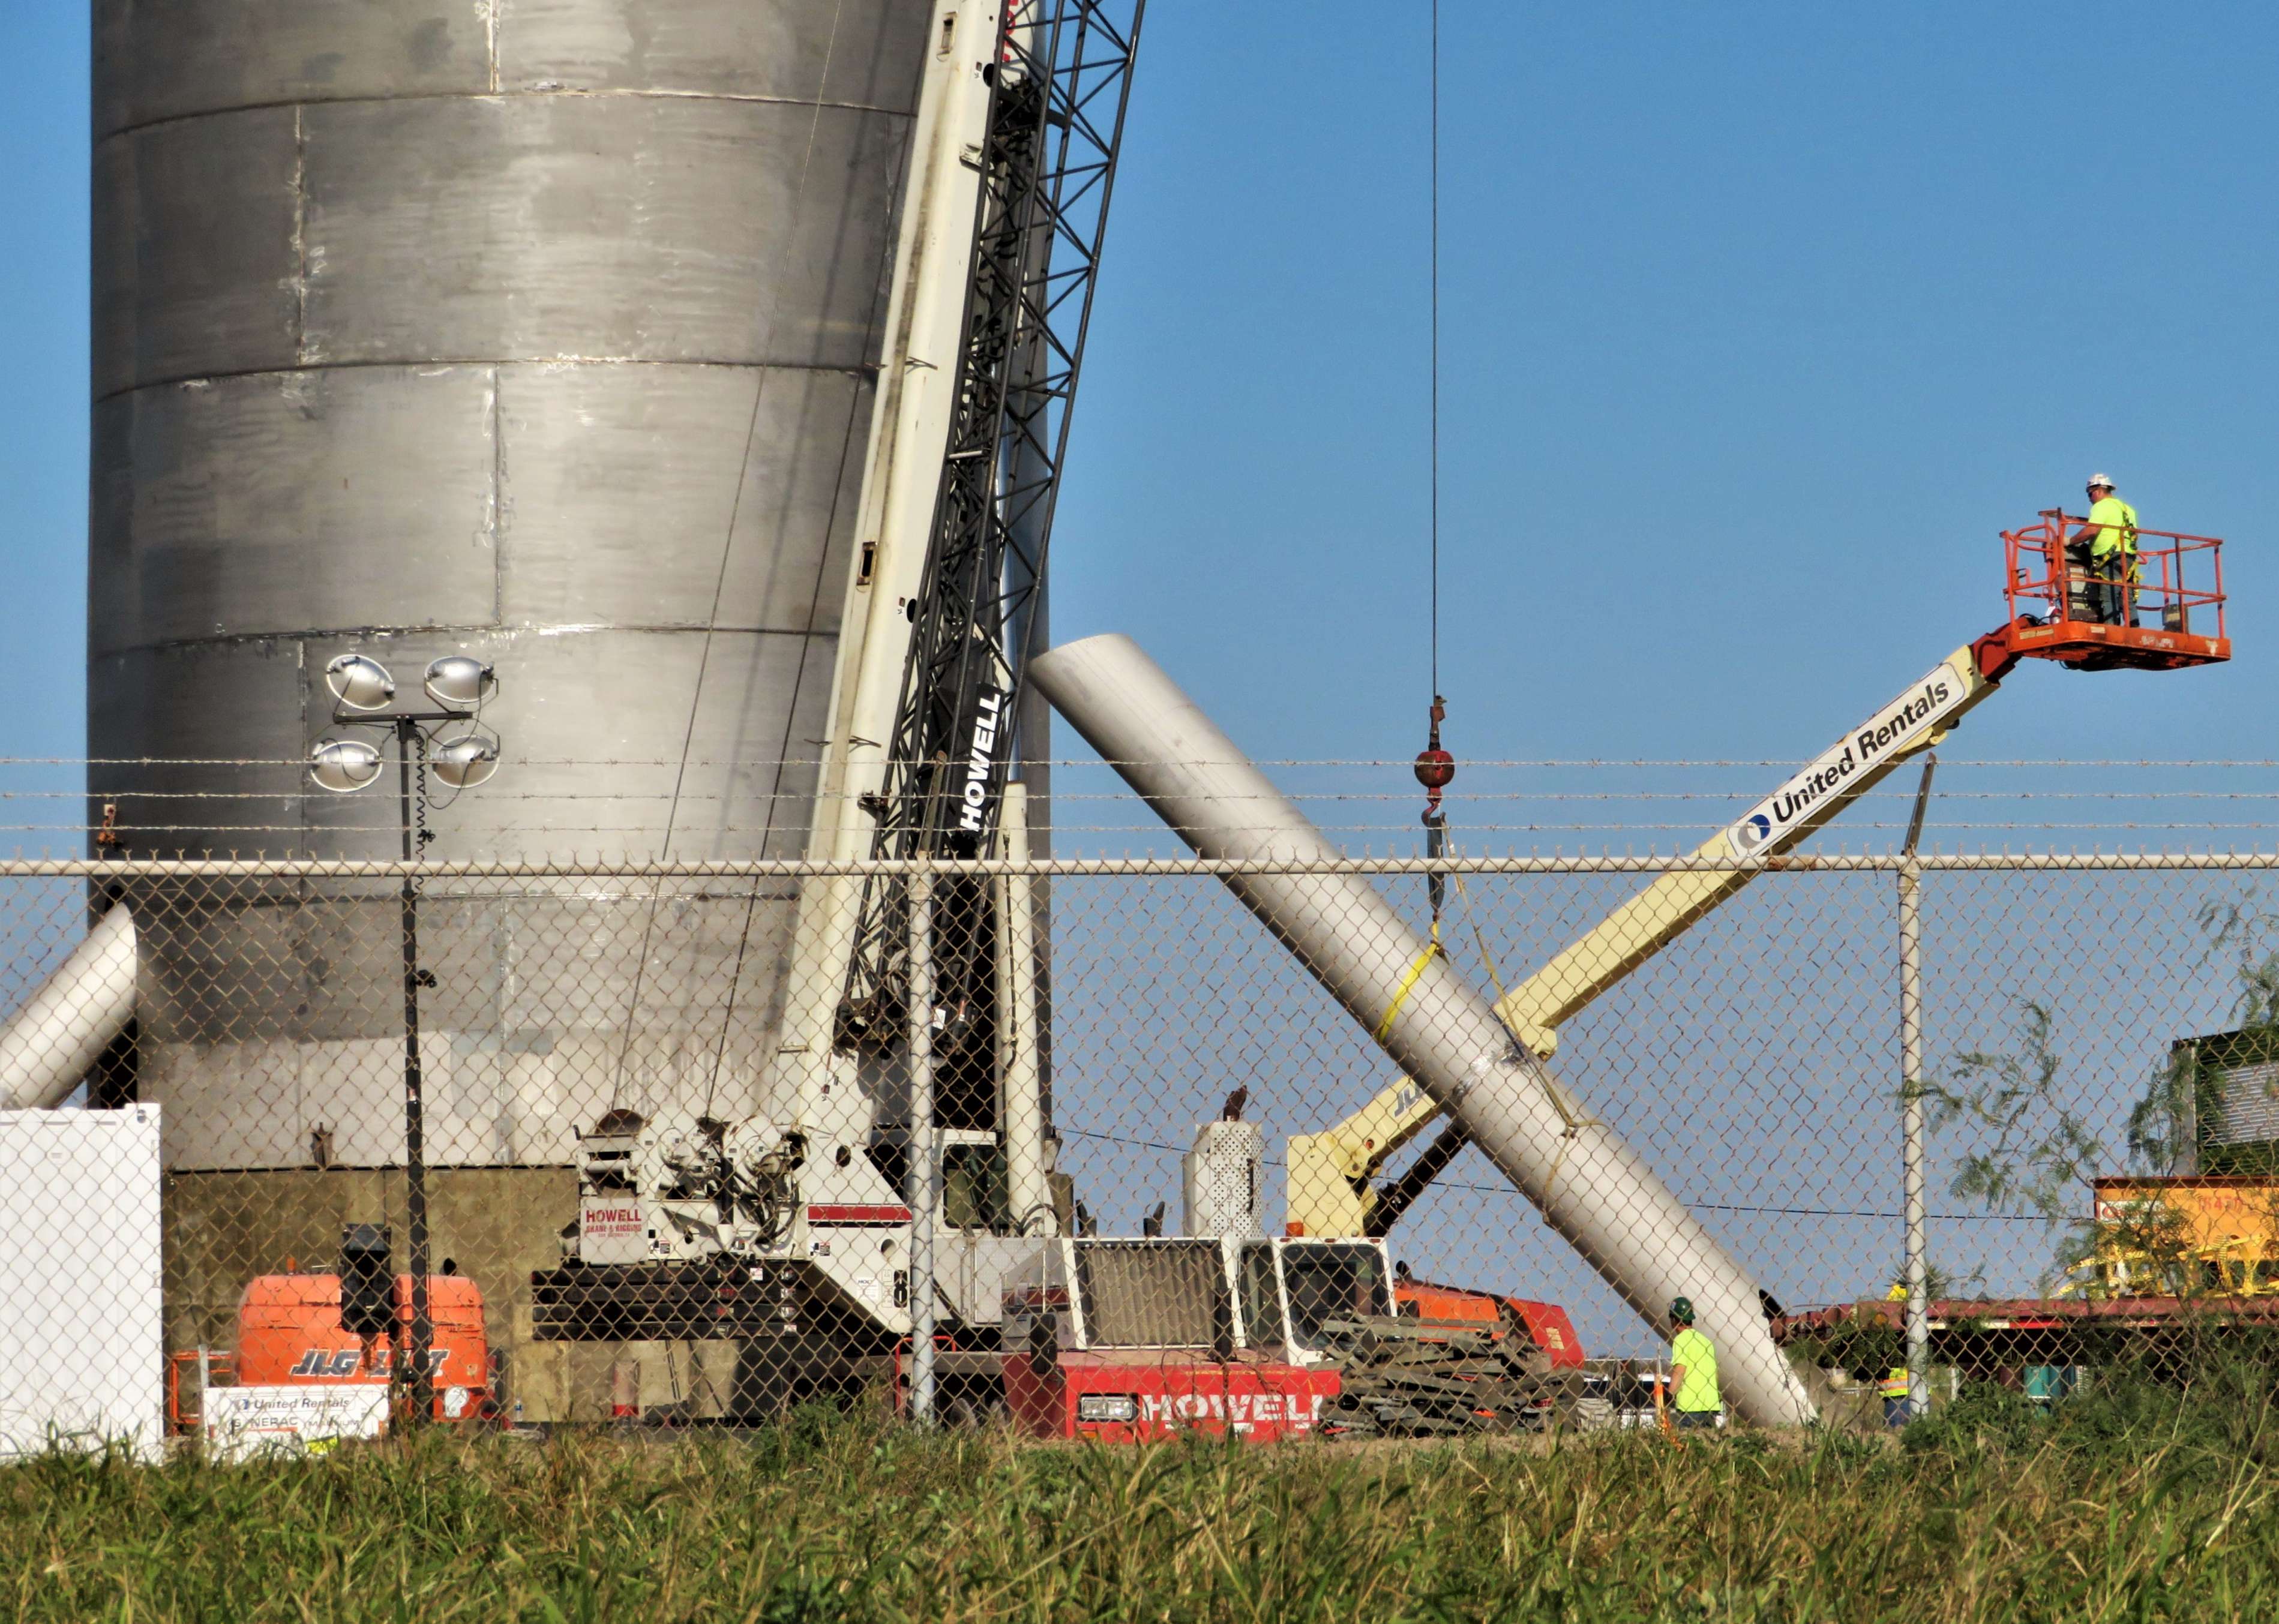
x: 2138, y: 1505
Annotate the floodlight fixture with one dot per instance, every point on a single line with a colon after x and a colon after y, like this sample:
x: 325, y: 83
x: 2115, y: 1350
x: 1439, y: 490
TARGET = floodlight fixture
x: 359, y: 682
x: 466, y: 761
x: 460, y: 682
x: 457, y: 685
x: 343, y: 764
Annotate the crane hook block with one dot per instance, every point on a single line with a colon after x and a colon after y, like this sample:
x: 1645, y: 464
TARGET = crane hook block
x: 1436, y: 769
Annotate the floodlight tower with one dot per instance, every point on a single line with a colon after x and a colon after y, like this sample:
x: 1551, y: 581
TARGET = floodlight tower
x: 456, y: 686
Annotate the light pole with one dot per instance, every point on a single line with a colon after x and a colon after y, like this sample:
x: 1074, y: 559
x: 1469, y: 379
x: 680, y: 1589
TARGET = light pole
x: 457, y: 685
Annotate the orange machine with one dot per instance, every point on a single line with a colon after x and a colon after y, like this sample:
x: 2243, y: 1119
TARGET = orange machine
x: 1460, y: 1308
x: 288, y: 1331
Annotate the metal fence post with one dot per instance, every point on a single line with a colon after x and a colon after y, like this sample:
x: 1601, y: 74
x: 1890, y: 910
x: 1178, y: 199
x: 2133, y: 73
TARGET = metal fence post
x: 1911, y: 1128
x: 419, y: 1381
x: 924, y: 1179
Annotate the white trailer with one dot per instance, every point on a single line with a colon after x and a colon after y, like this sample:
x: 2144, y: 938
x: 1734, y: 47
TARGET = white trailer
x: 82, y: 1348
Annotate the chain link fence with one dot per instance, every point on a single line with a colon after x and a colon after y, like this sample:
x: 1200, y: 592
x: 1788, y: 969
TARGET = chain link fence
x: 667, y: 1169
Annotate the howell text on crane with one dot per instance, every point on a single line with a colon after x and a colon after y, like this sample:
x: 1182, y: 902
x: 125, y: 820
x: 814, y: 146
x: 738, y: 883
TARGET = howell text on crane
x: 988, y: 715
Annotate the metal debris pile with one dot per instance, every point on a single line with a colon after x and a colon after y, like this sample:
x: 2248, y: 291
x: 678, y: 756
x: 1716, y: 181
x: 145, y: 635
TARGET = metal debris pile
x: 1406, y: 1379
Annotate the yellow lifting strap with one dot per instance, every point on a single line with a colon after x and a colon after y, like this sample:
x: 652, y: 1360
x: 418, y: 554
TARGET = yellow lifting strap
x: 1432, y: 950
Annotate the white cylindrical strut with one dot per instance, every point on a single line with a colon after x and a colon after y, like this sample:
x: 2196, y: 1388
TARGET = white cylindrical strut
x: 63, y: 1029
x: 1913, y: 1147
x: 1594, y: 1189
x: 925, y: 1157
x: 1020, y: 1036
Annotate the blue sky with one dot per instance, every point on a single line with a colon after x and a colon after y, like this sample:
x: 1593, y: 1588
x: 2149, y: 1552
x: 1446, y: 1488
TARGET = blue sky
x: 44, y: 408
x: 1758, y: 322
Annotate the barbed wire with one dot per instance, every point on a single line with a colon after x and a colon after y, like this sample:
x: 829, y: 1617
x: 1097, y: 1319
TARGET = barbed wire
x: 1402, y: 764
x: 602, y: 865
x: 1061, y: 797
x: 193, y: 814
x: 147, y: 837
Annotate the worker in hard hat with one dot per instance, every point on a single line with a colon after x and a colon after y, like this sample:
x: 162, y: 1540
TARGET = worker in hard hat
x: 1693, y: 1370
x: 1894, y: 1391
x: 2105, y: 547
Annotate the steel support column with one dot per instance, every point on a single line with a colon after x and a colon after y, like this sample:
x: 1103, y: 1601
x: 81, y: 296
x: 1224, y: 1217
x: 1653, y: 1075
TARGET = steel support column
x: 1911, y: 1136
x: 923, y: 1179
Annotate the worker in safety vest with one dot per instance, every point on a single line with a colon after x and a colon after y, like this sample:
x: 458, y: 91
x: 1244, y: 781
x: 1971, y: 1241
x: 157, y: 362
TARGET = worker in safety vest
x: 1894, y: 1391
x: 2107, y: 545
x: 1693, y: 1370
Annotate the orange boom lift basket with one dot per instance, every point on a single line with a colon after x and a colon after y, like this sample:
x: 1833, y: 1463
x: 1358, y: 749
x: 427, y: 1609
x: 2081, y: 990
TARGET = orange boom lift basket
x: 2171, y: 610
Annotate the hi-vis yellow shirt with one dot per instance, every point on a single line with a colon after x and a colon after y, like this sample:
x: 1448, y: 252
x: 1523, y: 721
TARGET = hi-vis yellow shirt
x: 2119, y: 533
x: 1699, y: 1391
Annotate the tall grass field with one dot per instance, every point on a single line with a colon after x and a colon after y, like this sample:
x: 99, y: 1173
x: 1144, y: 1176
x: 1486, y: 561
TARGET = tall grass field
x: 2140, y: 1503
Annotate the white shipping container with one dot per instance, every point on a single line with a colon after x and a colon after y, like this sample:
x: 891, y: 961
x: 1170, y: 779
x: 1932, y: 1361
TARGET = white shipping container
x: 82, y: 1351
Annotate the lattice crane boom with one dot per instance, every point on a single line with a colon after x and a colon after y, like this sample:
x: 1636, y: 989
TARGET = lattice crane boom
x: 1058, y: 92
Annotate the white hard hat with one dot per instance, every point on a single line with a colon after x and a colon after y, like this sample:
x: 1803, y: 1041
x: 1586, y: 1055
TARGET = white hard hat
x: 2104, y: 480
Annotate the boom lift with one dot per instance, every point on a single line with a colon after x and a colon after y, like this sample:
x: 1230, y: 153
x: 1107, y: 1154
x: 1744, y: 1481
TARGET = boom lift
x: 2179, y: 586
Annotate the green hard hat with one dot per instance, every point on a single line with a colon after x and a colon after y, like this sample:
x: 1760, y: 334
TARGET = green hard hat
x: 1681, y: 1311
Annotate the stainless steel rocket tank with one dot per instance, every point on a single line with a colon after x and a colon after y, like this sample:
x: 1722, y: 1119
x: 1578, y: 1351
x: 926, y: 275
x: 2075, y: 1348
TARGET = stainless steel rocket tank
x: 541, y: 330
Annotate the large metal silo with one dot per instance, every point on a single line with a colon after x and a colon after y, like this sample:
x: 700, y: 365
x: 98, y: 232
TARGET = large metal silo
x: 537, y: 329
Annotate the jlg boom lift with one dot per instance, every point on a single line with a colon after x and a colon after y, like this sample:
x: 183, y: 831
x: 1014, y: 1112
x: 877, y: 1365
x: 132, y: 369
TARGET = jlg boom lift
x: 2178, y: 588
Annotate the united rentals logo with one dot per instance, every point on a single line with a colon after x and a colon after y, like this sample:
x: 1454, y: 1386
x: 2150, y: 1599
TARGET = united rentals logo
x: 988, y: 717
x: 1824, y: 785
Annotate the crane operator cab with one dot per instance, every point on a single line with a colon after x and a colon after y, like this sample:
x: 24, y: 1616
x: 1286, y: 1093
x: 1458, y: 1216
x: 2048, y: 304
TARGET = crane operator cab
x: 2152, y: 603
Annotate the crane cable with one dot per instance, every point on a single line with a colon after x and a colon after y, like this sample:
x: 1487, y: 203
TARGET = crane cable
x: 1434, y: 191
x: 1435, y: 767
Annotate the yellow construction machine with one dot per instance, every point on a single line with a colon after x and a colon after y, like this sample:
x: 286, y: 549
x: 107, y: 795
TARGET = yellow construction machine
x: 1332, y: 1191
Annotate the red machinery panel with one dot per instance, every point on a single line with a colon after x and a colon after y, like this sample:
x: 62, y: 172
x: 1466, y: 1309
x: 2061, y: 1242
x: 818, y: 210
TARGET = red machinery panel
x: 1459, y: 1308
x: 1128, y: 1401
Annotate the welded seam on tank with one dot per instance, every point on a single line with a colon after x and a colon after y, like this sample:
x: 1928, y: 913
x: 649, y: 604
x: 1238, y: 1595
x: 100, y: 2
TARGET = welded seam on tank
x: 525, y: 93
x: 299, y: 241
x: 229, y: 639
x: 304, y: 680
x: 862, y: 372
x: 720, y: 578
x: 495, y: 518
